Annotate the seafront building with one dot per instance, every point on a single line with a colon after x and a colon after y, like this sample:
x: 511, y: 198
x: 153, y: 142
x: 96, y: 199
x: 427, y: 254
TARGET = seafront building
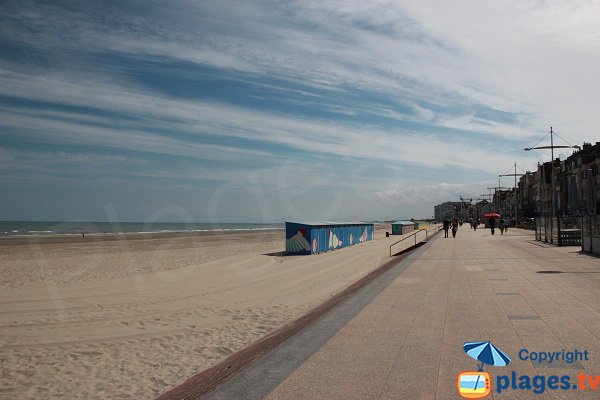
x: 447, y: 209
x: 481, y: 208
x: 527, y: 195
x: 578, y: 192
x: 575, y: 218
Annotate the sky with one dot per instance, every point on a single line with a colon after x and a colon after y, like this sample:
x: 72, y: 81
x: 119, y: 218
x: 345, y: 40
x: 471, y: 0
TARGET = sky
x: 271, y: 111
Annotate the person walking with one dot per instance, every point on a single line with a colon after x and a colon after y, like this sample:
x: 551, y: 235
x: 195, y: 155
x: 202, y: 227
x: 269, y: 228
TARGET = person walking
x: 502, y: 225
x: 454, y: 227
x: 475, y: 223
x: 446, y: 227
x: 492, y: 225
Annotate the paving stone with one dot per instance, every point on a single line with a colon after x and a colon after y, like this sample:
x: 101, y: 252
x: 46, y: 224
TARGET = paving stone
x: 407, y: 343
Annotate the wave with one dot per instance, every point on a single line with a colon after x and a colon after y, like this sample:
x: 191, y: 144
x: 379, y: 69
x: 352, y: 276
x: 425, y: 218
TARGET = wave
x: 95, y: 231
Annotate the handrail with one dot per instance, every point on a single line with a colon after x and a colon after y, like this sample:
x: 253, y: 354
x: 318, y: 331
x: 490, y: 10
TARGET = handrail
x: 437, y: 228
x: 413, y: 234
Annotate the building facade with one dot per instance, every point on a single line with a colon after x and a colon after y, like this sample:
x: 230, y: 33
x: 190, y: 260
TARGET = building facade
x: 576, y: 182
x: 527, y: 195
x: 579, y: 194
x: 449, y: 209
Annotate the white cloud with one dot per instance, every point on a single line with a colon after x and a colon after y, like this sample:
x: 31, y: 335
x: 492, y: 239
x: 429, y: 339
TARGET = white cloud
x: 6, y: 158
x: 536, y: 57
x: 430, y: 66
x: 431, y: 194
x: 136, y: 140
x: 201, y: 119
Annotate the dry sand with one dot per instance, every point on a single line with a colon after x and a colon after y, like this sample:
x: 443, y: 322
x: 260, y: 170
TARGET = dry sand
x: 131, y: 317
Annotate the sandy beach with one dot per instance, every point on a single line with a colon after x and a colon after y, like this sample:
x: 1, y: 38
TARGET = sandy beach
x: 131, y: 317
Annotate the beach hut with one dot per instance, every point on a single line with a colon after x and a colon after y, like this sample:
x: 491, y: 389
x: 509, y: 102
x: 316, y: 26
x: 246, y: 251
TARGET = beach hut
x: 421, y: 224
x: 320, y: 237
x: 402, y: 227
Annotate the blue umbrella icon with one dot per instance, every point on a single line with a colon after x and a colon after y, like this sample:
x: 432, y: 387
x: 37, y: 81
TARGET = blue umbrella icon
x: 487, y: 353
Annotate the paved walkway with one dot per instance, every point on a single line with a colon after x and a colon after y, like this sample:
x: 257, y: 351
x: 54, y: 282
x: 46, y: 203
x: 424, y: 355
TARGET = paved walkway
x: 406, y: 343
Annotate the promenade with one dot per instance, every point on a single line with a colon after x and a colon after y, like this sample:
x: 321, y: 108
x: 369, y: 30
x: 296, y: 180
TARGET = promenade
x: 403, y: 339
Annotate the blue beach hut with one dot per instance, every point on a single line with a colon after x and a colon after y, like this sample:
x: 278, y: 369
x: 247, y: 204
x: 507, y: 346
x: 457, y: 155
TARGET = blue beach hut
x: 320, y: 237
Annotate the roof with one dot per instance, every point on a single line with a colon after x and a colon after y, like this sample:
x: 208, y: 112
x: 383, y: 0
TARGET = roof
x: 403, y: 223
x: 328, y: 223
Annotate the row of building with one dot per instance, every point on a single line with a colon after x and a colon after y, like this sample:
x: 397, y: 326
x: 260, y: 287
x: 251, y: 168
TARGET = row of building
x: 576, y: 182
x: 576, y: 187
x: 560, y: 200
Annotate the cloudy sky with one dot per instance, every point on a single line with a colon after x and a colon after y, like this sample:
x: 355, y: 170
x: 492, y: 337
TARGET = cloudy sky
x: 265, y: 111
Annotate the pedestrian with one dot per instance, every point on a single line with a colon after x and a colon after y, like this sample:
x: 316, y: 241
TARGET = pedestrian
x: 446, y: 227
x: 475, y: 224
x: 454, y: 227
x: 502, y: 225
x: 492, y: 224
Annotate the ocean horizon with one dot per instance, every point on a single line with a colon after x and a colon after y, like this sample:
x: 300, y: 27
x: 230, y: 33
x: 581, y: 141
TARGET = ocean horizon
x: 47, y: 228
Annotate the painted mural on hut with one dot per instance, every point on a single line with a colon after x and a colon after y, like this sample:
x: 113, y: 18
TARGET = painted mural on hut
x: 322, y: 237
x: 298, y: 243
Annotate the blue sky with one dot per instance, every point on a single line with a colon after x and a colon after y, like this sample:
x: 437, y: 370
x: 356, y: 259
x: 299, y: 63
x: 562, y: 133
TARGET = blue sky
x: 267, y: 111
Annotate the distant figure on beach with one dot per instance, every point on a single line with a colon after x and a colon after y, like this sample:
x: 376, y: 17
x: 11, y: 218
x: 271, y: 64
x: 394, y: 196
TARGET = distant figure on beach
x: 492, y: 225
x: 502, y: 225
x: 446, y: 227
x: 454, y: 227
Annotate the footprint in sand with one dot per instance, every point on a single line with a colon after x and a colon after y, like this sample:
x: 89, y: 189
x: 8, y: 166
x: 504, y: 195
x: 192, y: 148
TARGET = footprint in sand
x: 90, y: 353
x: 225, y: 351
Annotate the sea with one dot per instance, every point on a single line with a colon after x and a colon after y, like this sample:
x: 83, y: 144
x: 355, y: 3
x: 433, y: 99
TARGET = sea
x: 41, y: 228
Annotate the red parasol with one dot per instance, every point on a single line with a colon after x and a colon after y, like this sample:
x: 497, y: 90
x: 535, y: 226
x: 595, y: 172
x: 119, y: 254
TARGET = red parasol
x: 492, y: 215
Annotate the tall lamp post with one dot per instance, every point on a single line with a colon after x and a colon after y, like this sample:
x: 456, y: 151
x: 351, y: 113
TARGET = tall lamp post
x: 516, y: 198
x: 552, y: 147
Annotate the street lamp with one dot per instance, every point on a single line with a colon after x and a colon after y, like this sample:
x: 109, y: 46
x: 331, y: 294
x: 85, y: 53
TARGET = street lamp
x: 552, y: 147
